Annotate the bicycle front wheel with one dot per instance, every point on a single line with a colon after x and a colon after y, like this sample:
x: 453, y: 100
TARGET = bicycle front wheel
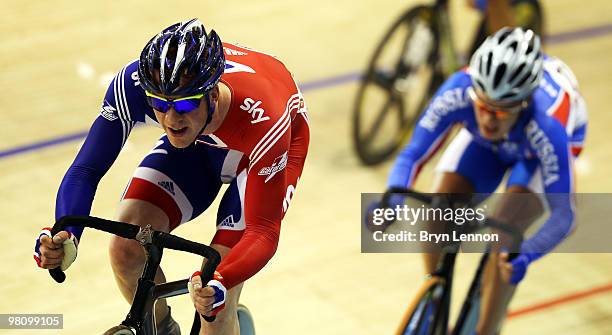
x: 424, y: 315
x: 396, y: 85
x: 245, y: 320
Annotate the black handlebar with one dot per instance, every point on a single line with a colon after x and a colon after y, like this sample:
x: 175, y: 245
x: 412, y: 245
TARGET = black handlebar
x: 426, y: 198
x: 129, y: 231
x: 178, y: 243
x: 118, y: 228
x: 448, y: 200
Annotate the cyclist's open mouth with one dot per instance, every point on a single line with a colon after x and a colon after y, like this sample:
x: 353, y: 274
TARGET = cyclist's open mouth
x: 177, y: 132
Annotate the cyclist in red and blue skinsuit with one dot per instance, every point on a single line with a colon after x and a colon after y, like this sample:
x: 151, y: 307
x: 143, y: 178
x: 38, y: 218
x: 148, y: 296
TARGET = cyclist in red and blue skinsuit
x: 230, y: 115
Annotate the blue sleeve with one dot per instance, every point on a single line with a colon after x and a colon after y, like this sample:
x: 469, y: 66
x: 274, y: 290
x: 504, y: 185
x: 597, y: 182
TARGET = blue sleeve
x: 549, y: 142
x: 446, y: 108
x: 119, y: 112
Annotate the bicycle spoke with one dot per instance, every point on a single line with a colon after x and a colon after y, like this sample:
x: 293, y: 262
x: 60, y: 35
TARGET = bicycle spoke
x: 379, y: 120
x: 382, y: 79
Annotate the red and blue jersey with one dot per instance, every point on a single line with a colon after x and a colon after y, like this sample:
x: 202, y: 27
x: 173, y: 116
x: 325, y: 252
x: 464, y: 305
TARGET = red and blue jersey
x: 266, y: 122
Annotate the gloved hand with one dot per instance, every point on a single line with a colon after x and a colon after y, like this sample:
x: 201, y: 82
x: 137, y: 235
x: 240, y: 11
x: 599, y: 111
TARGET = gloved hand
x: 514, y: 271
x: 374, y: 220
x: 59, y: 250
x: 208, y: 300
x: 481, y: 5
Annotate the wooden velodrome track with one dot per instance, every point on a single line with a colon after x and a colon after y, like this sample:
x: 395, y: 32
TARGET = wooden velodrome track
x: 56, y: 58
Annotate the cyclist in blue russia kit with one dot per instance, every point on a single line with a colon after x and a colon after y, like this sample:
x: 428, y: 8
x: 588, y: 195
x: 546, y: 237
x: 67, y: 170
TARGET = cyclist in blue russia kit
x: 520, y: 114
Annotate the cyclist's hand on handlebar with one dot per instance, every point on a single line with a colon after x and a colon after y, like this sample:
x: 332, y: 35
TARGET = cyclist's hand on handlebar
x: 513, y: 271
x: 57, y: 251
x: 208, y: 300
x: 375, y: 219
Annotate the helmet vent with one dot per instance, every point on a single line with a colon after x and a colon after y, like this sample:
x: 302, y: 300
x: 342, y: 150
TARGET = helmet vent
x: 513, y: 46
x: 516, y: 72
x: 489, y: 61
x: 503, y: 36
x: 523, y: 80
x: 501, y: 70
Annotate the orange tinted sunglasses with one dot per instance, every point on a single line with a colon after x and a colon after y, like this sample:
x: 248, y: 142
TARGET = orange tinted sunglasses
x: 499, y: 112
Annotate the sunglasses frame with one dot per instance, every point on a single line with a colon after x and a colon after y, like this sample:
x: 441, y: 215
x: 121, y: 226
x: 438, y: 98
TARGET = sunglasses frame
x: 501, y: 113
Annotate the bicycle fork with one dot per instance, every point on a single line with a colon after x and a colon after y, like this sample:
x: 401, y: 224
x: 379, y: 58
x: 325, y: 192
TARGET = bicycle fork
x: 470, y: 311
x: 445, y: 271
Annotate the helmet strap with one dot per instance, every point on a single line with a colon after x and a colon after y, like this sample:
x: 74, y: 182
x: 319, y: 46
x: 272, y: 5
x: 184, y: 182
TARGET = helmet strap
x: 211, y: 111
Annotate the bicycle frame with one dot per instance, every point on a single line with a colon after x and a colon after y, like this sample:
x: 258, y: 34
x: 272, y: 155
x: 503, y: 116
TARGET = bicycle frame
x: 445, y: 271
x: 141, y: 317
x: 446, y: 266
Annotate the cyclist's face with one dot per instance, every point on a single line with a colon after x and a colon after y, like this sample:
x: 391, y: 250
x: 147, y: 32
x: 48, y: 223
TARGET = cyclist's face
x: 495, y: 122
x: 183, y: 129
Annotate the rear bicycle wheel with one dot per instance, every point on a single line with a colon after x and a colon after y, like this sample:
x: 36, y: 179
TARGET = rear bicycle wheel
x: 120, y: 330
x: 423, y: 315
x: 396, y: 86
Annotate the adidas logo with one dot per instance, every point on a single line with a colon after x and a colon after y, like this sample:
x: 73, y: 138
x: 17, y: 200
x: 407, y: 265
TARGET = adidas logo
x: 167, y: 185
x: 108, y: 112
x: 228, y: 221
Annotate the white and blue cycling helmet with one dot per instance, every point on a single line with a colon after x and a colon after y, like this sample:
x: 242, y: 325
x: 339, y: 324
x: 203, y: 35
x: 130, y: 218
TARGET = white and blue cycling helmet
x: 508, y: 65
